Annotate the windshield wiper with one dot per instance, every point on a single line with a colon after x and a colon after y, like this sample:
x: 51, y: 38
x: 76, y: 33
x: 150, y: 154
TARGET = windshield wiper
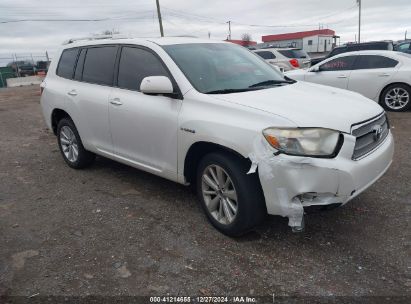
x: 270, y: 82
x: 228, y: 91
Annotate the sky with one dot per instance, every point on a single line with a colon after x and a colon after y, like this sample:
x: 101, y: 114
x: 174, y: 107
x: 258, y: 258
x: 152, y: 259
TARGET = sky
x: 381, y: 19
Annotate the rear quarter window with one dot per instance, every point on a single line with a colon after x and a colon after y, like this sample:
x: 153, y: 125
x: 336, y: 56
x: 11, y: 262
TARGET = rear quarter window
x: 266, y: 55
x: 67, y: 62
x: 293, y: 53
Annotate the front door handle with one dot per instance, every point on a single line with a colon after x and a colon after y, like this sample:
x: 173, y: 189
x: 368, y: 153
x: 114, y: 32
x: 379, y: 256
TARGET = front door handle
x: 342, y: 76
x: 116, y: 102
x: 72, y: 93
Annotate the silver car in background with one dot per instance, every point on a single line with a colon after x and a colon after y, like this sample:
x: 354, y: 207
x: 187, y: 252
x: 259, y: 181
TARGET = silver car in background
x: 286, y: 59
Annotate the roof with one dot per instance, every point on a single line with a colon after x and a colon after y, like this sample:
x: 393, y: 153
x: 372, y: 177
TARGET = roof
x: 297, y: 35
x: 158, y: 40
x: 391, y: 54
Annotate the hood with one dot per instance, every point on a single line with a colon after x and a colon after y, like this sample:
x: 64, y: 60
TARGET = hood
x: 310, y: 105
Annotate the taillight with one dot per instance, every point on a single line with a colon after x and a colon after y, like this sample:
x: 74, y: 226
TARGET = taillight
x: 41, y: 90
x: 294, y: 63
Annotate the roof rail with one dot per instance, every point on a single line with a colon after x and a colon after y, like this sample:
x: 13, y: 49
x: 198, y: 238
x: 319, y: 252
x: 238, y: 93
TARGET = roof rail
x: 96, y: 37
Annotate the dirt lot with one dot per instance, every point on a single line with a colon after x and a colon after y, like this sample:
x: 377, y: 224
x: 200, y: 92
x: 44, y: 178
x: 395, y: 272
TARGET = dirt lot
x: 114, y: 230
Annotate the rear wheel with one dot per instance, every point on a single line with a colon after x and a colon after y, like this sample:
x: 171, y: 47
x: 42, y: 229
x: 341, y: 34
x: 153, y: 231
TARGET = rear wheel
x: 396, y: 98
x: 71, y: 147
x: 232, y: 200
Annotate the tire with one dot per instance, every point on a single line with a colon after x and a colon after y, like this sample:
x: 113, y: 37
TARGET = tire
x: 69, y: 142
x: 396, y: 97
x: 249, y: 205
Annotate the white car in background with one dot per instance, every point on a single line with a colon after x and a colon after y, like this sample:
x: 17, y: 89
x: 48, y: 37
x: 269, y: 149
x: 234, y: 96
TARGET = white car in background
x: 383, y: 76
x: 286, y: 59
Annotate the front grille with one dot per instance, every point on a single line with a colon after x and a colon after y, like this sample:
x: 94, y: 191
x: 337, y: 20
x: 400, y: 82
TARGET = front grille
x: 369, y: 135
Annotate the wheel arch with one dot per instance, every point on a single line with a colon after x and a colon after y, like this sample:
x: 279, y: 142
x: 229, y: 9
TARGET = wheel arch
x: 198, y: 150
x: 56, y: 115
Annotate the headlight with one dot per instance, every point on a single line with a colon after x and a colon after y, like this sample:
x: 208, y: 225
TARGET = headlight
x: 314, y: 142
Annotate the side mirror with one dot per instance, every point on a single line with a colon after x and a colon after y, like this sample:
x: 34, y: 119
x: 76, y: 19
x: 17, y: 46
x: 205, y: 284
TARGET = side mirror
x: 278, y: 69
x: 156, y: 85
x: 315, y: 69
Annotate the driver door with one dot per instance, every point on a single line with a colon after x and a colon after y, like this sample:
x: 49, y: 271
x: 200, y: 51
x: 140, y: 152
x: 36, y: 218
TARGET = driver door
x: 143, y: 127
x: 334, y: 72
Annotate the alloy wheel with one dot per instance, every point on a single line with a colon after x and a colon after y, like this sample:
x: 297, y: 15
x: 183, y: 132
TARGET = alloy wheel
x: 397, y: 98
x: 219, y: 194
x: 69, y: 145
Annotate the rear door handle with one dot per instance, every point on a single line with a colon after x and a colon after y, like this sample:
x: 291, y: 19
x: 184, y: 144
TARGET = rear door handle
x: 72, y: 93
x: 342, y: 76
x: 384, y: 75
x: 116, y: 102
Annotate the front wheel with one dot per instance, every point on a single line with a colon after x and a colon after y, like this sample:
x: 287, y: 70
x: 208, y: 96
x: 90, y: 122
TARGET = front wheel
x: 396, y: 98
x: 232, y: 200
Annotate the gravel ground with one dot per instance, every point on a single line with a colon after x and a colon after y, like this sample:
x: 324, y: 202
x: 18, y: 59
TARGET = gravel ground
x: 114, y: 230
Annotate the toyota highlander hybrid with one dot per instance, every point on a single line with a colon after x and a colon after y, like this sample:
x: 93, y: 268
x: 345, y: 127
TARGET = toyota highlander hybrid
x: 214, y: 115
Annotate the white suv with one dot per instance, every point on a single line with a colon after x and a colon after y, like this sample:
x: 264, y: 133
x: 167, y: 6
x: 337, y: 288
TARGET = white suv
x: 287, y: 59
x: 214, y: 115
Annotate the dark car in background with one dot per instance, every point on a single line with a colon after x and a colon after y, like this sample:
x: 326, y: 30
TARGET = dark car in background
x: 404, y: 47
x: 353, y: 47
x: 23, y: 68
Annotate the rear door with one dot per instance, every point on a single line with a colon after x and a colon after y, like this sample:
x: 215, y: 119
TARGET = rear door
x: 90, y: 90
x: 334, y: 72
x: 371, y: 74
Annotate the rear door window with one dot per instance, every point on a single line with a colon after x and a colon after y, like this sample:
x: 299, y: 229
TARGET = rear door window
x: 266, y: 55
x: 66, y: 64
x: 374, y: 62
x: 136, y: 64
x: 339, y: 64
x: 99, y: 65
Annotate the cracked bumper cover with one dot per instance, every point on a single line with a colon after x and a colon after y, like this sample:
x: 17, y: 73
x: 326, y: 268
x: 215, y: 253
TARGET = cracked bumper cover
x: 291, y: 183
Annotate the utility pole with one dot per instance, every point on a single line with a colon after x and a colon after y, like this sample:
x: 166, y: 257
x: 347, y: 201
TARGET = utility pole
x: 406, y: 32
x: 159, y: 18
x: 318, y: 40
x: 359, y: 20
x: 229, y: 30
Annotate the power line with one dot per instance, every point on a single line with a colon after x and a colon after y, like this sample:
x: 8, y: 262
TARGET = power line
x: 174, y: 13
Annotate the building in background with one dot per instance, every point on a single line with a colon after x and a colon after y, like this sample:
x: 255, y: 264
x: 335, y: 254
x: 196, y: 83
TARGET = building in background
x: 316, y: 41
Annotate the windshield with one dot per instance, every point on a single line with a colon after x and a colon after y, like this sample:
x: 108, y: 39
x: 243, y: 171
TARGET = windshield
x: 218, y: 68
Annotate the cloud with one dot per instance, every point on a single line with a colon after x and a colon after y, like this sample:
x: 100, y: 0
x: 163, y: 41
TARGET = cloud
x: 381, y: 19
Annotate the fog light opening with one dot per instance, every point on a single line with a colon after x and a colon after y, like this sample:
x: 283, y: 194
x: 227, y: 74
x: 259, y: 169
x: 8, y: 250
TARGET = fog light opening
x: 308, y: 197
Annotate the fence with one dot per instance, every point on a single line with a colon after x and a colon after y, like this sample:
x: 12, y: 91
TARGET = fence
x: 26, y: 64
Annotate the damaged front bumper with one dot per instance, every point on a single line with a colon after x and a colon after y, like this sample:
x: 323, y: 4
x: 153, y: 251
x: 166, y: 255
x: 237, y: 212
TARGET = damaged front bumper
x: 291, y: 183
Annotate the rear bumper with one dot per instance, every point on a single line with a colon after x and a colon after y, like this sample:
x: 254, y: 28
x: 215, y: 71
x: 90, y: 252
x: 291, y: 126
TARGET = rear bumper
x: 291, y: 183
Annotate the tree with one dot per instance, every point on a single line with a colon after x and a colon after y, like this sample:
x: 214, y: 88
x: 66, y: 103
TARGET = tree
x: 246, y: 37
x: 110, y: 32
